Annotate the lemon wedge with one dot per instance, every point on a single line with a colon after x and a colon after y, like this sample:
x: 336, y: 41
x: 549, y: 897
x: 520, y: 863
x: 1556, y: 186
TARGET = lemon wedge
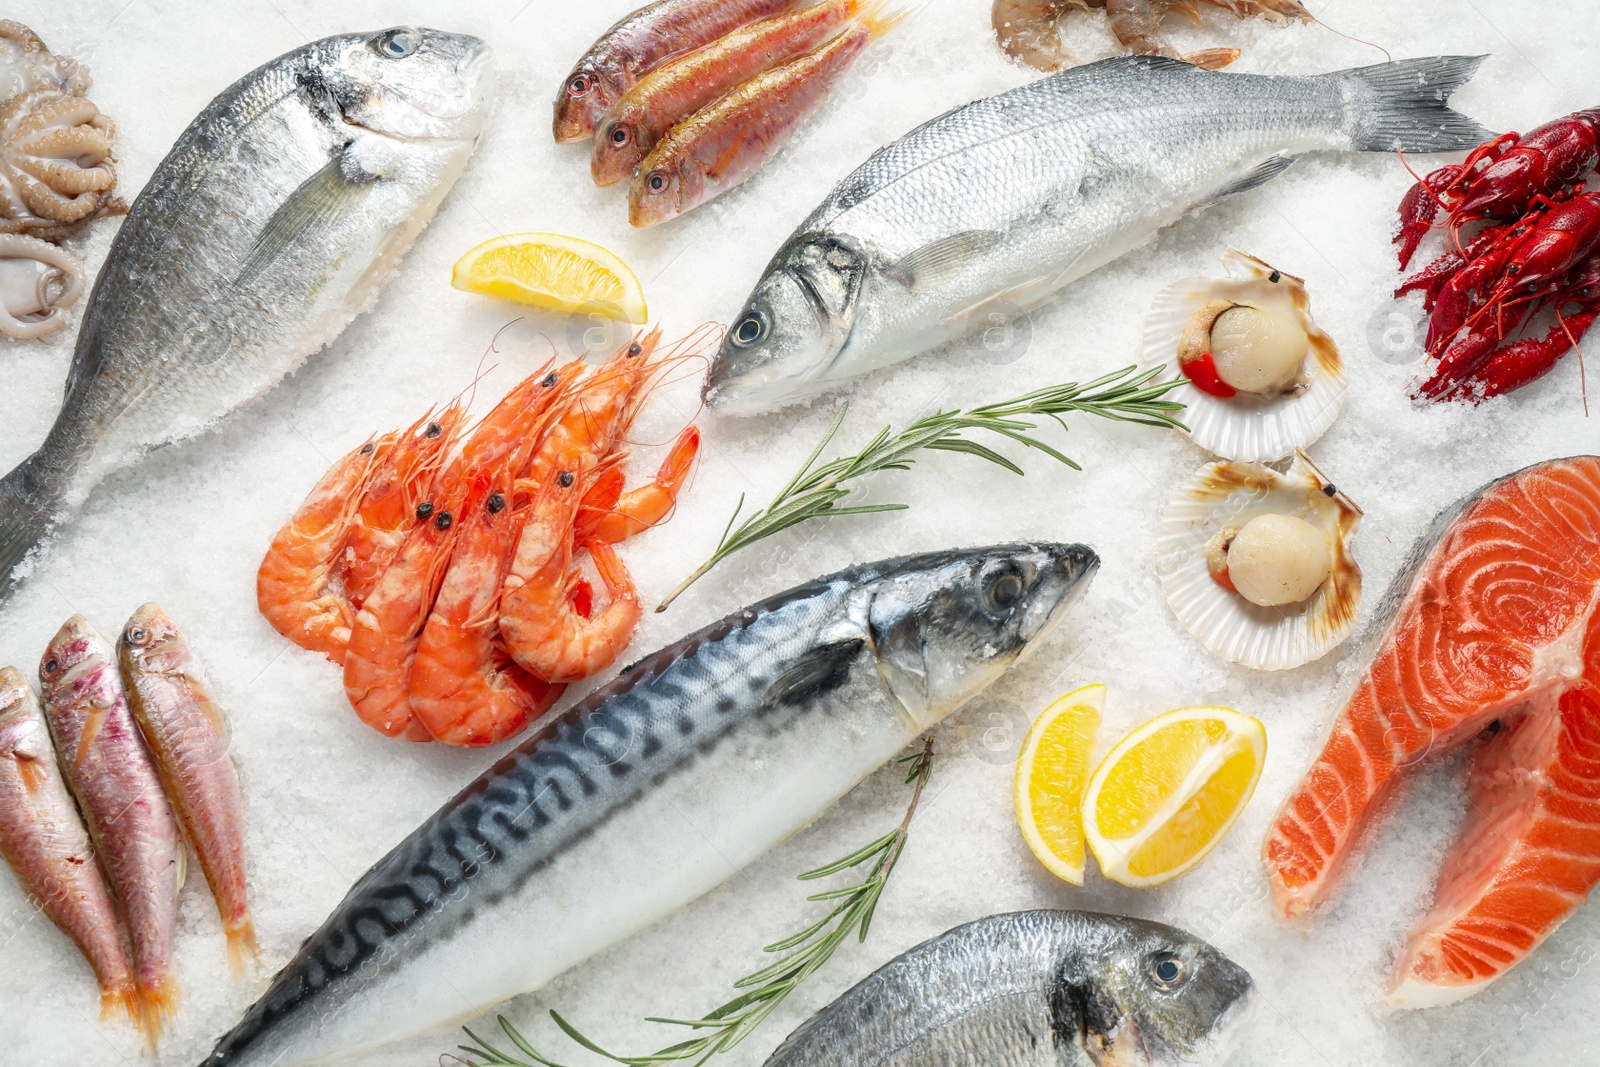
x: 1052, y: 771
x: 1168, y: 792
x: 553, y: 271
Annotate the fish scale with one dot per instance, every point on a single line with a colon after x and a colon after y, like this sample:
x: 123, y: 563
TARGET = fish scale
x: 270, y: 224
x: 651, y: 791
x: 998, y: 204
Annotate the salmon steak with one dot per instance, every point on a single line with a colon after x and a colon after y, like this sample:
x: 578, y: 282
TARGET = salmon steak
x: 1490, y: 637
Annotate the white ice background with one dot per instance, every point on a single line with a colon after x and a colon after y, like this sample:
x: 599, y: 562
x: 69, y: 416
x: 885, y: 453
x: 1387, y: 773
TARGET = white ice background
x: 325, y: 796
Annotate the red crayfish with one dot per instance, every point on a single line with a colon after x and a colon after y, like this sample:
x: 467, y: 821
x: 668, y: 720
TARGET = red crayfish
x: 1537, y: 247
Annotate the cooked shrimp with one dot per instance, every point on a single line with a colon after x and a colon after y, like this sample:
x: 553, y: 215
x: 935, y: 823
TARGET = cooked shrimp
x: 610, y: 515
x: 464, y: 688
x: 543, y: 631
x: 294, y: 585
x: 383, y: 641
x: 391, y: 622
x: 402, y: 475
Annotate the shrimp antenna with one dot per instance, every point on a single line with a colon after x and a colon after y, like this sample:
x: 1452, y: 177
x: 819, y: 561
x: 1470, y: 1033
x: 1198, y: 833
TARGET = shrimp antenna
x: 1387, y: 56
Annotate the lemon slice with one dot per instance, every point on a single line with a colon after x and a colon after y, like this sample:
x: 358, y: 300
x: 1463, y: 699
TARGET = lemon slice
x: 1051, y: 774
x: 550, y: 270
x: 1167, y: 793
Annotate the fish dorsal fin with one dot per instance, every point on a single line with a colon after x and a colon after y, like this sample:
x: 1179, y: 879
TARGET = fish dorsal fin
x: 940, y: 260
x: 311, y: 208
x: 819, y: 670
x: 1260, y: 174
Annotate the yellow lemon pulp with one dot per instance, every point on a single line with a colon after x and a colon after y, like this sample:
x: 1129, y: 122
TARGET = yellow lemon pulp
x: 1052, y: 771
x: 1169, y: 791
x: 553, y: 271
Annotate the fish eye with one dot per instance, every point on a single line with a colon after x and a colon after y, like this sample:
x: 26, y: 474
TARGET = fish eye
x: 619, y: 135
x: 750, y: 329
x: 136, y: 636
x: 656, y: 181
x: 51, y: 667
x: 396, y: 44
x: 580, y: 85
x: 1168, y: 971
x: 1002, y: 587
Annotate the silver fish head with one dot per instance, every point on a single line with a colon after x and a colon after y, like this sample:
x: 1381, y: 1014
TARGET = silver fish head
x: 408, y: 82
x: 73, y: 662
x: 945, y: 625
x: 151, y: 642
x: 1149, y: 994
x: 792, y: 329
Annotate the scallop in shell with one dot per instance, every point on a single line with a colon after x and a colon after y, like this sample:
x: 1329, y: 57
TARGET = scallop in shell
x: 1264, y: 380
x: 1237, y: 551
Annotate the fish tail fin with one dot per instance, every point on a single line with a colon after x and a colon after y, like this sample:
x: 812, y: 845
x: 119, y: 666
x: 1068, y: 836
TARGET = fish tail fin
x: 878, y: 16
x: 121, y: 1000
x: 157, y: 1003
x: 1403, y: 105
x: 242, y: 945
x: 30, y: 505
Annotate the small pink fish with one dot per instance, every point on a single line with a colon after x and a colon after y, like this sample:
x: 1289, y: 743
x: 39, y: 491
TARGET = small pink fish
x: 43, y: 839
x: 725, y: 143
x: 173, y: 704
x: 637, y: 45
x: 110, y: 771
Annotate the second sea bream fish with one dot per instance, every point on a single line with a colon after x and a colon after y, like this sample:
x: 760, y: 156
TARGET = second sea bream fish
x: 270, y: 225
x: 1035, y: 989
x: 996, y: 205
x: 653, y: 790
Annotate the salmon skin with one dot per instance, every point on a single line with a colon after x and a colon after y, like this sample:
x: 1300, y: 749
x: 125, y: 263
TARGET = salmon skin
x: 110, y: 773
x: 1490, y: 636
x: 178, y: 715
x: 43, y: 839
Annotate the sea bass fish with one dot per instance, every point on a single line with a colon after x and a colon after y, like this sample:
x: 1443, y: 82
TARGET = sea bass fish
x: 109, y: 771
x: 44, y: 841
x: 187, y: 736
x: 1045, y: 988
x: 268, y: 227
x: 998, y: 204
x: 653, y: 790
x: 1489, y: 638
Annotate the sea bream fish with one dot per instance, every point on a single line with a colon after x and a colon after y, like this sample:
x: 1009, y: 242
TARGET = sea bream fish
x: 108, y: 769
x: 269, y: 226
x: 1035, y: 989
x: 996, y: 205
x: 187, y: 736
x: 653, y: 790
x: 43, y: 838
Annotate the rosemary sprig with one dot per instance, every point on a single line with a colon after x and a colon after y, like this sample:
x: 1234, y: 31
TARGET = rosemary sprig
x: 816, y: 490
x: 800, y: 955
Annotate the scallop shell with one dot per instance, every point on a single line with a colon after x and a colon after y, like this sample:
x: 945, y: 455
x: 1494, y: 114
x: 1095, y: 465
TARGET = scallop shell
x: 1228, y: 493
x: 1244, y: 427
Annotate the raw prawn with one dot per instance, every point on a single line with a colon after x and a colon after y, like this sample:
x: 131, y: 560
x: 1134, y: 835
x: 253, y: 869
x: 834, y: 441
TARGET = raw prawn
x: 1029, y: 30
x: 294, y: 583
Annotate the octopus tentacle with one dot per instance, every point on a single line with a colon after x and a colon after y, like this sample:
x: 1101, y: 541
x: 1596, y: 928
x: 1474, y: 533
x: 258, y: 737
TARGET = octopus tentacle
x: 38, y: 282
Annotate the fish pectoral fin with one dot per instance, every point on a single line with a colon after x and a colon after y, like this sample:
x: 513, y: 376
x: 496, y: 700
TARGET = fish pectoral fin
x: 311, y: 208
x: 30, y: 771
x: 1260, y: 174
x: 819, y: 670
x: 941, y: 260
x: 91, y: 730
